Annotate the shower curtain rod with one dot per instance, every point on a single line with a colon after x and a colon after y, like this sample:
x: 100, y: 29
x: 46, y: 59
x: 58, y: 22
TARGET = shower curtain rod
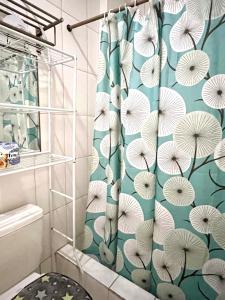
x: 101, y: 16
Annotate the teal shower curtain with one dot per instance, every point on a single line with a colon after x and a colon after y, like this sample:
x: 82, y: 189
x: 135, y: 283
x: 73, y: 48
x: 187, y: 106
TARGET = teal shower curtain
x: 156, y: 205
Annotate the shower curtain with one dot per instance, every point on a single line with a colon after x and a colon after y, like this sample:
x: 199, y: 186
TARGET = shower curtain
x: 156, y: 205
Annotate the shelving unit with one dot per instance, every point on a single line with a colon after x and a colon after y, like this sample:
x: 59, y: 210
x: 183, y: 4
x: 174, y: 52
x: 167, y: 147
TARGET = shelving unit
x: 24, y: 109
x: 35, y: 161
x: 17, y: 44
x: 36, y: 19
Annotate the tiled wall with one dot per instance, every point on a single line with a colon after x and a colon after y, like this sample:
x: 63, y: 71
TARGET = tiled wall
x: 98, y: 280
x: 116, y: 3
x: 83, y: 42
x: 32, y: 187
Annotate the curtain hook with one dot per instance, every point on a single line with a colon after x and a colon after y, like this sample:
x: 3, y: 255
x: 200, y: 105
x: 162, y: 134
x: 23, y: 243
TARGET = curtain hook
x: 125, y: 7
x: 151, y: 5
x: 109, y: 12
x: 135, y: 3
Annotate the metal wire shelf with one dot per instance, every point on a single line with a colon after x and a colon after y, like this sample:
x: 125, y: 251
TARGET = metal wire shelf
x: 36, y: 19
x: 14, y: 45
x: 34, y: 161
x: 26, y: 109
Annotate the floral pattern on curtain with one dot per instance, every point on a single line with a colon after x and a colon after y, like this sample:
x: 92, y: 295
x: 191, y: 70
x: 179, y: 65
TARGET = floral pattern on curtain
x: 156, y: 206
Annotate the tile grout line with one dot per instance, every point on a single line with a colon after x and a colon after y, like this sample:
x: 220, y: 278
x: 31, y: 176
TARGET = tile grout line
x: 55, y: 5
x: 70, y: 259
x: 113, y: 283
x: 66, y: 204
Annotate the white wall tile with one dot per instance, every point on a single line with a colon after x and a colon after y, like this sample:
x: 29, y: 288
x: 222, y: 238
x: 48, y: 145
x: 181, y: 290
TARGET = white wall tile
x: 95, y: 288
x: 68, y: 253
x: 58, y: 134
x: 82, y: 93
x: 98, y: 279
x: 42, y: 189
x: 75, y: 42
x: 58, y: 184
x: 93, y: 51
x: 90, y: 134
x: 46, y: 266
x: 17, y: 190
x: 92, y: 86
x: 100, y: 272
x: 116, y: 3
x: 81, y: 204
x: 59, y: 219
x: 46, y: 237
x: 82, y: 177
x: 93, y: 9
x: 81, y: 136
x: 57, y: 3
x: 128, y: 290
x: 69, y: 81
x: 76, y: 8
x: 57, y: 85
x: 65, y: 267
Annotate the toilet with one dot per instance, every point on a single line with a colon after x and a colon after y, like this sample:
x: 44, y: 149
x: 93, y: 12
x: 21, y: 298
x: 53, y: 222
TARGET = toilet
x: 21, y: 232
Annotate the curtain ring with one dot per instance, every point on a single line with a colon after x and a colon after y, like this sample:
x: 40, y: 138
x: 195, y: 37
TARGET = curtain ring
x: 109, y: 12
x: 109, y: 15
x: 125, y: 7
x: 104, y: 16
x: 151, y: 5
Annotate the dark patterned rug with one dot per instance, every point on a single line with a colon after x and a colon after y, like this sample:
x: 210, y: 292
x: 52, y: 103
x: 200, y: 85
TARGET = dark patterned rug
x: 53, y: 286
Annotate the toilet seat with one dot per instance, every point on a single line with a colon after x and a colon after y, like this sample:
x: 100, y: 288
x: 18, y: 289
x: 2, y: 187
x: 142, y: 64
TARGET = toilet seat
x: 8, y: 295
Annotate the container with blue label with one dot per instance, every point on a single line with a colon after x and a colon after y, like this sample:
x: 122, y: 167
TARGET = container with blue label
x: 9, y: 154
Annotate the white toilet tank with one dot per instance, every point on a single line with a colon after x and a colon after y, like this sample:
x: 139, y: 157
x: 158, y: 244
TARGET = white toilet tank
x: 21, y: 232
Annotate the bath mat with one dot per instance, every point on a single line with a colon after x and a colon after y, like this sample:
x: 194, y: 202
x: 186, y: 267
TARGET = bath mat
x: 53, y: 286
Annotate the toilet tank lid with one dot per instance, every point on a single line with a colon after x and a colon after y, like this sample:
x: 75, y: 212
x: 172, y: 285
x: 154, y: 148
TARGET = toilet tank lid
x: 18, y: 218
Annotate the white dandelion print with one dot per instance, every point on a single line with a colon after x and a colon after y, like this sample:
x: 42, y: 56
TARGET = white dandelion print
x: 138, y: 155
x: 135, y: 109
x: 172, y: 160
x: 198, y: 134
x: 179, y: 191
x: 214, y: 270
x: 144, y: 184
x: 213, y: 92
x: 150, y: 72
x: 130, y: 214
x: 136, y: 255
x: 192, y: 67
x: 202, y: 217
x: 186, y: 33
x: 186, y: 249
